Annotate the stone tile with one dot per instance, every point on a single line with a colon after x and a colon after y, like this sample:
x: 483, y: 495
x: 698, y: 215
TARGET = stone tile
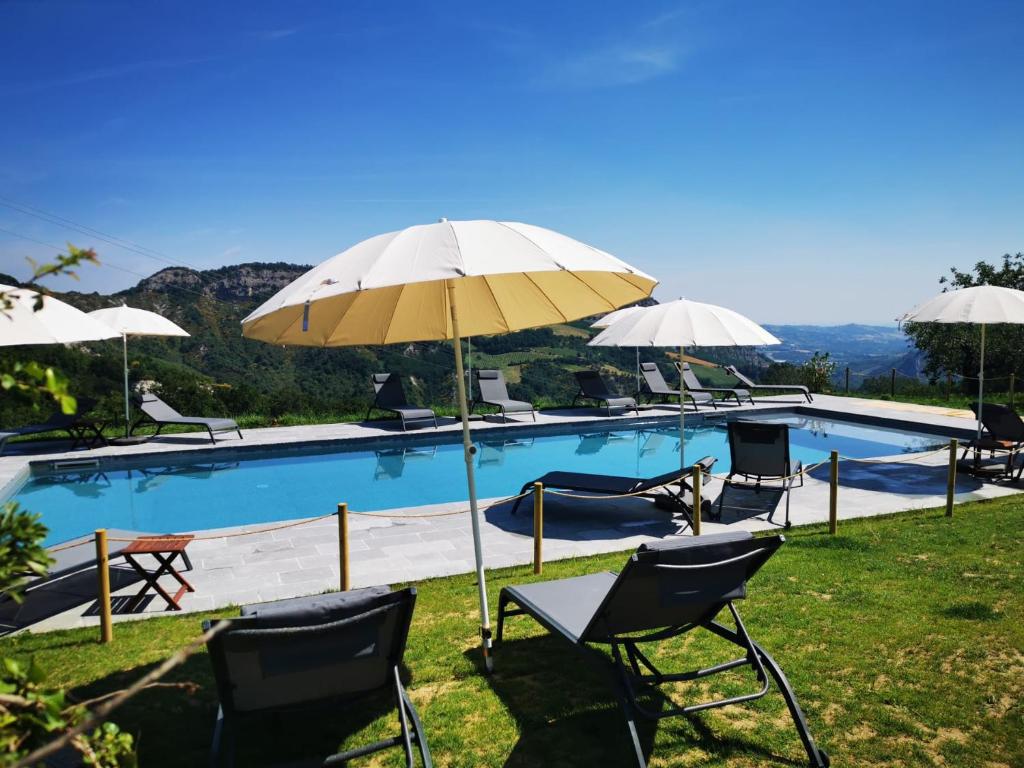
x: 308, y: 574
x: 286, y: 553
x: 418, y: 549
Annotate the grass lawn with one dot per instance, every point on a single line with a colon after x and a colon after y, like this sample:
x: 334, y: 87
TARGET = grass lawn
x: 903, y: 638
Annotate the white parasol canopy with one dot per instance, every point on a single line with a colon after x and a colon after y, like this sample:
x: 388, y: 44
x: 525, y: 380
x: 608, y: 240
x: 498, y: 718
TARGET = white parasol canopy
x: 129, y: 321
x: 54, y: 323
x: 980, y: 305
x: 683, y: 323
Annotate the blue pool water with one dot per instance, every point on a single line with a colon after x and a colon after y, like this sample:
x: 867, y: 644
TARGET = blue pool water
x: 283, y: 487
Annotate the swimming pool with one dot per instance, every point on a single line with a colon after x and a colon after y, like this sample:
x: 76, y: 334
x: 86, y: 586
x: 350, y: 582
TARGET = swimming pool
x: 287, y: 485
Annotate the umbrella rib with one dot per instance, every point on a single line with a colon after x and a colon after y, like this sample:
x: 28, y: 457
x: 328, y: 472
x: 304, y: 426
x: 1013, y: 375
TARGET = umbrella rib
x: 552, y: 304
x: 394, y: 311
x: 494, y: 298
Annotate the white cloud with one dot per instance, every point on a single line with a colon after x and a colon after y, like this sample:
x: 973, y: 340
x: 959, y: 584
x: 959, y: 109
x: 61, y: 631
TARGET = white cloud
x: 612, y: 66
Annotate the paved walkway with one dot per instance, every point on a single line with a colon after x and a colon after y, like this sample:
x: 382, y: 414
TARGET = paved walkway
x: 423, y: 542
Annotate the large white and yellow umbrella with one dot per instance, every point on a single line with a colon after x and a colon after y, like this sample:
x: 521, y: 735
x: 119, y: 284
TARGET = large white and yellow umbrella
x: 445, y: 281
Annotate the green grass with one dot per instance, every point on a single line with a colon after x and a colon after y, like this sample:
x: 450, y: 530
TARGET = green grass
x: 903, y: 638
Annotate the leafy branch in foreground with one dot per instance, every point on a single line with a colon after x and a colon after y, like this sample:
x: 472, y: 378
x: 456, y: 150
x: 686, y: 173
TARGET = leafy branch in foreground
x: 31, y: 714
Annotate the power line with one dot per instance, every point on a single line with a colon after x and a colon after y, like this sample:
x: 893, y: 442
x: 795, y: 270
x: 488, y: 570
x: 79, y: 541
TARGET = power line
x: 119, y: 242
x: 111, y: 266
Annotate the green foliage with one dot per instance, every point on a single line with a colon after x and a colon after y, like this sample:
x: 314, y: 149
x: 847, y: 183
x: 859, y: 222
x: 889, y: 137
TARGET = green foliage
x: 955, y: 348
x: 32, y: 715
x: 815, y: 374
x: 21, y: 553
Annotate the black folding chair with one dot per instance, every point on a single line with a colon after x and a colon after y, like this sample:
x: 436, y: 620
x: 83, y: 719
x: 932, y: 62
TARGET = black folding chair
x: 665, y: 590
x: 494, y: 391
x: 655, y: 386
x: 759, y: 453
x: 658, y: 487
x: 389, y: 395
x: 594, y: 387
x: 335, y: 648
x: 1004, y: 431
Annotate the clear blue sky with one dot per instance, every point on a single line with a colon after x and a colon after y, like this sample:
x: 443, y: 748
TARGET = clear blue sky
x: 808, y: 161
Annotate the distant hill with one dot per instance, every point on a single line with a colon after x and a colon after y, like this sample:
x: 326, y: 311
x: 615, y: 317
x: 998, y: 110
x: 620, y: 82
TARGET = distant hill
x: 216, y: 370
x: 868, y: 350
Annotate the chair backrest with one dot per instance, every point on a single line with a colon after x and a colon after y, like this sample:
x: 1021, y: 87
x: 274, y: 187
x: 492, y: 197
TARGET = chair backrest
x: 690, y: 378
x: 155, y: 408
x: 593, y: 384
x: 759, y: 448
x: 59, y: 419
x: 678, y: 582
x: 1001, y: 421
x: 307, y: 650
x: 388, y: 391
x: 655, y: 382
x: 492, y: 386
x: 706, y: 464
x: 732, y: 370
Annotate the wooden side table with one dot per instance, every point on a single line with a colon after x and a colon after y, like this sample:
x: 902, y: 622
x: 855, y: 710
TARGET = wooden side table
x: 165, y: 550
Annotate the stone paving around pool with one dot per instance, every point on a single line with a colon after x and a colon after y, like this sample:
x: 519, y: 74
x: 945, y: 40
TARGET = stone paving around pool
x: 425, y: 542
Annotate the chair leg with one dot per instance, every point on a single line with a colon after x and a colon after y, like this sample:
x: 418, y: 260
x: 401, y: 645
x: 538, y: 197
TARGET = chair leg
x: 222, y: 732
x: 818, y: 757
x: 618, y: 673
x: 416, y: 731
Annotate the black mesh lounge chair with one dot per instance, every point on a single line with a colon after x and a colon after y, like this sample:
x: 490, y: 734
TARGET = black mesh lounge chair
x: 81, y: 430
x: 155, y: 411
x: 493, y: 391
x: 693, y: 384
x: 390, y: 396
x: 594, y: 387
x: 326, y: 650
x: 666, y: 589
x: 655, y: 386
x: 644, y: 487
x: 759, y: 451
x: 732, y: 370
x: 1004, y: 431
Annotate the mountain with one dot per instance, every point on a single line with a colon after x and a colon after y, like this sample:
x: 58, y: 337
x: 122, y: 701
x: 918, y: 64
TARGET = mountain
x: 216, y: 370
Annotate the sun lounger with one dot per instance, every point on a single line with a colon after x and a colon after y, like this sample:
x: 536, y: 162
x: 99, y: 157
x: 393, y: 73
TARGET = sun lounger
x: 655, y: 386
x: 315, y: 651
x: 594, y: 387
x: 493, y: 391
x: 1004, y: 431
x: 82, y: 431
x: 390, y: 396
x: 155, y: 411
x: 732, y: 370
x: 693, y: 384
x: 759, y: 452
x: 658, y: 488
x: 665, y: 590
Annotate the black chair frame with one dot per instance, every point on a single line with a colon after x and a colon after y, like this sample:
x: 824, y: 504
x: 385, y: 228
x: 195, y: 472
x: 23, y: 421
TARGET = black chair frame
x: 632, y: 672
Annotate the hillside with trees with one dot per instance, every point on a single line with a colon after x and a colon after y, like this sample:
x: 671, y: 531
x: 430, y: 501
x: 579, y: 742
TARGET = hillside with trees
x: 217, y: 371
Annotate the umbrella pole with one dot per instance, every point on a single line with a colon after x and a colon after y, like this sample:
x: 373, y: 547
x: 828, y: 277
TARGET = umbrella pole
x: 127, y: 405
x: 469, y: 450
x: 981, y: 379
x: 682, y: 415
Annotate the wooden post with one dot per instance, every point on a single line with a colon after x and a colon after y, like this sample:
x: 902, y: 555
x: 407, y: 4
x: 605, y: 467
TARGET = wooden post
x: 892, y: 384
x: 951, y: 480
x: 695, y: 481
x: 538, y: 527
x: 847, y: 379
x: 346, y: 582
x: 103, y: 573
x: 833, y: 493
x: 1013, y: 381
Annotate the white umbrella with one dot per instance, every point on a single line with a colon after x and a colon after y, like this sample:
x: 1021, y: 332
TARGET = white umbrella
x: 446, y: 281
x: 981, y: 305
x: 54, y: 323
x: 606, y: 320
x: 128, y: 321
x: 681, y: 324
